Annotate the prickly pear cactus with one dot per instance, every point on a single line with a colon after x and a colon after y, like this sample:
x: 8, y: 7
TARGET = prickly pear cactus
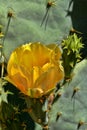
x: 73, y: 108
x: 25, y: 25
x: 47, y: 22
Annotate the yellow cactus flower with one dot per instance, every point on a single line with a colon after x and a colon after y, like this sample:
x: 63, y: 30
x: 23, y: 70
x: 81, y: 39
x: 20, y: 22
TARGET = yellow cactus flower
x: 35, y: 68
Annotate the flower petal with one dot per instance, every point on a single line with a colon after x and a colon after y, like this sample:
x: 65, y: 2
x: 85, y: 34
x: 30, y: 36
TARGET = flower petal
x: 35, y: 54
x: 48, y: 80
x: 56, y: 50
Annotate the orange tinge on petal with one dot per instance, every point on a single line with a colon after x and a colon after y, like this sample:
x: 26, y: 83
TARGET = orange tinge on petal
x: 35, y: 68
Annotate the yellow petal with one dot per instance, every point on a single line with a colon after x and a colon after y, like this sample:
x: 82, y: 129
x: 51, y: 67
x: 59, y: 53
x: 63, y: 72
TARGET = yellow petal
x: 47, y: 66
x: 40, y: 54
x: 19, y: 81
x: 48, y: 80
x: 35, y: 54
x: 56, y: 50
x: 21, y: 78
x: 37, y: 71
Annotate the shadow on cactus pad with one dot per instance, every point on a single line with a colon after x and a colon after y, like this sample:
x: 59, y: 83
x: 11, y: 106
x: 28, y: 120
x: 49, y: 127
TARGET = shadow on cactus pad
x: 13, y: 115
